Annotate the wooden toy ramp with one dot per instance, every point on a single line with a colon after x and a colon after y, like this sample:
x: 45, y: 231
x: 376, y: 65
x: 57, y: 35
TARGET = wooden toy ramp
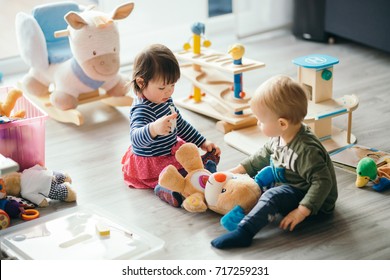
x: 219, y: 61
x: 248, y: 140
x: 73, y: 115
x: 218, y: 101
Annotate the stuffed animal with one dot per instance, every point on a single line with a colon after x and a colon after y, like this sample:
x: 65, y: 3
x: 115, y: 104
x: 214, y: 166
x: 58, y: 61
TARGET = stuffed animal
x: 192, y: 186
x: 37, y: 183
x: 8, y: 105
x: 232, y: 195
x: 11, y: 207
x: 80, y: 59
x: 367, y: 172
x: 202, y: 190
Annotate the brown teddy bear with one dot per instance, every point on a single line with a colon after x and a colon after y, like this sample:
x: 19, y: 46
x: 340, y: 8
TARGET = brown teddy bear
x: 221, y: 192
x: 37, y: 183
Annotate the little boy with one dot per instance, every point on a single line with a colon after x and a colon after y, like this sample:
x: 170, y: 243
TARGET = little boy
x: 305, y: 180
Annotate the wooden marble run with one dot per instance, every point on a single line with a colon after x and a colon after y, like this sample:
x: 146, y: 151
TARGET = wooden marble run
x: 315, y: 73
x: 214, y: 95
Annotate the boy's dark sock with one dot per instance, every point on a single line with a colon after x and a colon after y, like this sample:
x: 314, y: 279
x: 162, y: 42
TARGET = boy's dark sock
x: 172, y: 198
x: 233, y: 239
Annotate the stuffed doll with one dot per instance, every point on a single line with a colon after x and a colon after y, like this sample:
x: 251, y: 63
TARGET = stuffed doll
x: 367, y: 172
x: 8, y: 105
x: 37, y: 183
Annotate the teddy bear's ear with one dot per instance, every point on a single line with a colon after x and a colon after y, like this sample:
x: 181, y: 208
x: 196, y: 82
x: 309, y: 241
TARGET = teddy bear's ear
x: 188, y: 156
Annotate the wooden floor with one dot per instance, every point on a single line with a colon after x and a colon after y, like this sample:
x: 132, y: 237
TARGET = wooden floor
x: 361, y: 224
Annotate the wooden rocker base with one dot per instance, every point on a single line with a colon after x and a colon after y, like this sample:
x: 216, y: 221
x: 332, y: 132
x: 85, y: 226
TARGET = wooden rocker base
x: 249, y: 140
x: 73, y: 115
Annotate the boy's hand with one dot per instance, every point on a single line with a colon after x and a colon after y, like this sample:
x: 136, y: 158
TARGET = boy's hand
x: 162, y: 126
x: 294, y: 217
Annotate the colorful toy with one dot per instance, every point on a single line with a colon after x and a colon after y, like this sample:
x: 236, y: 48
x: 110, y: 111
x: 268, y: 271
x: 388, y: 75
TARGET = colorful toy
x: 237, y: 52
x: 368, y: 172
x: 76, y: 51
x: 198, y: 29
x: 10, y: 208
x: 224, y: 99
x: 315, y: 73
x: 8, y: 105
x: 232, y: 195
x: 192, y: 186
x: 37, y: 183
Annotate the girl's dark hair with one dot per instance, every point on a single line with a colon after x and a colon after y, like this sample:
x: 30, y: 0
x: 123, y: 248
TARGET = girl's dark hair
x: 154, y: 63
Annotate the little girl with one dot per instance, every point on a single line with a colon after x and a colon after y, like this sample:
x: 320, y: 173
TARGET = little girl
x: 157, y: 129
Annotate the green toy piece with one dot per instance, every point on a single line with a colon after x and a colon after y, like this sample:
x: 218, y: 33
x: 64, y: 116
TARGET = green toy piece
x: 368, y: 171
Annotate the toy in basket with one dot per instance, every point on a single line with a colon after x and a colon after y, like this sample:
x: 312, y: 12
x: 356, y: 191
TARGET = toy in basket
x: 76, y: 51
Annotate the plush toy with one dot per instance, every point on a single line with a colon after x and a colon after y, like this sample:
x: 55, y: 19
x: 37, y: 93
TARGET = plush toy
x: 8, y: 105
x: 220, y: 192
x: 37, y: 183
x: 80, y: 59
x: 8, y: 208
x: 232, y: 195
x: 192, y: 186
x: 369, y: 173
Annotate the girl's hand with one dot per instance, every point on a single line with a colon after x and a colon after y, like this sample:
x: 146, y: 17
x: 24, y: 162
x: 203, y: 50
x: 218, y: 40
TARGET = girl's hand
x: 208, y: 146
x: 294, y: 217
x: 162, y: 126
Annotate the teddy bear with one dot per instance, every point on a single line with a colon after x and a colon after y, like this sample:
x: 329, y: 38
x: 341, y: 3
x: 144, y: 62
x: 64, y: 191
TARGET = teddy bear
x: 191, y: 187
x: 37, y: 183
x: 219, y: 192
x: 8, y: 105
x: 232, y: 195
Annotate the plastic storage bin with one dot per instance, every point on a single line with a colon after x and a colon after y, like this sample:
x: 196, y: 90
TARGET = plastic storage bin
x: 24, y: 140
x: 72, y: 235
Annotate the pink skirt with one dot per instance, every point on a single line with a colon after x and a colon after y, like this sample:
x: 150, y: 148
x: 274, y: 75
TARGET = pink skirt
x: 143, y: 172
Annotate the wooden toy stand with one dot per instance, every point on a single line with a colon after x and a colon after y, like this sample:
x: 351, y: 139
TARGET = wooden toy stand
x: 73, y: 115
x: 204, y: 71
x: 315, y: 73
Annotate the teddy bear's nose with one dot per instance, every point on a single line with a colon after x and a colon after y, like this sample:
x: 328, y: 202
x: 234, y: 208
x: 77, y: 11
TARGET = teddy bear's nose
x: 220, y: 177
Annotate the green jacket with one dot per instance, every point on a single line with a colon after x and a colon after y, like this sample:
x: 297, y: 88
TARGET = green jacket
x: 304, y: 164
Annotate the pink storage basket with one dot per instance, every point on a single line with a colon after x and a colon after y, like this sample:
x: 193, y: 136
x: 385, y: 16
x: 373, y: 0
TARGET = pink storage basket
x: 24, y: 140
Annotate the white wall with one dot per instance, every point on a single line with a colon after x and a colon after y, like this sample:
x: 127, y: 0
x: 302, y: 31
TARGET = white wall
x: 256, y: 16
x: 167, y: 22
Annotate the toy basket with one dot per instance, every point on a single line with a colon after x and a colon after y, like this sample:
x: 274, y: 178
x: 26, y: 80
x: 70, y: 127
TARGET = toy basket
x: 24, y: 140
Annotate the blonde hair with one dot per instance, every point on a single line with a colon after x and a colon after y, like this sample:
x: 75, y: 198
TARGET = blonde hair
x: 283, y: 96
x: 153, y: 63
